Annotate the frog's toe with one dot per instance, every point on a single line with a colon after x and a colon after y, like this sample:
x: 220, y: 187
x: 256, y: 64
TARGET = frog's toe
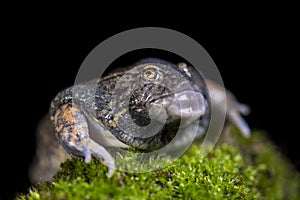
x: 243, y: 109
x: 111, y: 168
x: 103, y: 155
x: 87, y: 155
x: 236, y: 119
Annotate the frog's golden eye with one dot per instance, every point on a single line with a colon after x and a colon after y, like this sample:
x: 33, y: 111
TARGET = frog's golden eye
x: 150, y: 74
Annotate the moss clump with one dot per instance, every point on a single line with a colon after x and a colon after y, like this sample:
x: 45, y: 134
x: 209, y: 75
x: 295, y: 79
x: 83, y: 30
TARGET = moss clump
x: 237, y: 168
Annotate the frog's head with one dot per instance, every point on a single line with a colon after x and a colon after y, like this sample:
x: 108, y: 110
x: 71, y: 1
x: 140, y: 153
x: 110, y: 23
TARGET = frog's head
x: 163, y: 93
x: 152, y: 98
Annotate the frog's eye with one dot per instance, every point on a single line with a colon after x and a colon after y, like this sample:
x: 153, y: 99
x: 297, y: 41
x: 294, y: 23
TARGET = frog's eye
x: 150, y: 73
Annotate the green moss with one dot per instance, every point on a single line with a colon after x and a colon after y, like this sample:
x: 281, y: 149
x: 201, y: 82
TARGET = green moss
x: 237, y: 168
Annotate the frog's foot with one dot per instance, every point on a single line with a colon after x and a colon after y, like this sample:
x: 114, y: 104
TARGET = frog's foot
x: 101, y: 154
x: 234, y: 116
x: 234, y: 109
x: 72, y: 132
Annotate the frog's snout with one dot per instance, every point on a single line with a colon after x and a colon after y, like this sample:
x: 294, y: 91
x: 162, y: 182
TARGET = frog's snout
x: 187, y: 105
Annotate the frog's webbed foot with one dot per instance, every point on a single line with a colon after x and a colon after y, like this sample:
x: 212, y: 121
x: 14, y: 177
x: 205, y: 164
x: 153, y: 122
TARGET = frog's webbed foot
x: 72, y: 132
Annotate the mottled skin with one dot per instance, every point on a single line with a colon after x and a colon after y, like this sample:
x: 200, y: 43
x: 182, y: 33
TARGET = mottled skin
x: 123, y: 102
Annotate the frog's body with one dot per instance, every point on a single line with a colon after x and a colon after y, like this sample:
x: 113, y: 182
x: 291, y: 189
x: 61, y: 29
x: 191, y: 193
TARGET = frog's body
x: 112, y: 111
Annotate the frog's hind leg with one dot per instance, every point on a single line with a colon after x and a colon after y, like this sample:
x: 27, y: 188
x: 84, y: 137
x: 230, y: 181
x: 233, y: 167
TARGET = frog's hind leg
x: 72, y: 131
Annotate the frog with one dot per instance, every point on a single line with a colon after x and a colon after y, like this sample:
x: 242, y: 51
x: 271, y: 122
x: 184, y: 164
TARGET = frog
x: 88, y: 118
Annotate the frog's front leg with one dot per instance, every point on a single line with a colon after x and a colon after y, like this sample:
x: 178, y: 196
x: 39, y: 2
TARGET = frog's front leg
x: 234, y: 111
x: 72, y: 131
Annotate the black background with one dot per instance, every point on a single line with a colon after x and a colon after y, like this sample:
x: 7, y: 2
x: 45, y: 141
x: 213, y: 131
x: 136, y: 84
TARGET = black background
x: 256, y: 59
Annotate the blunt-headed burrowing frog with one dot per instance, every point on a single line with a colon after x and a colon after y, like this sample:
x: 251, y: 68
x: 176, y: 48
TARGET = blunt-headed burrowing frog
x: 137, y: 107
